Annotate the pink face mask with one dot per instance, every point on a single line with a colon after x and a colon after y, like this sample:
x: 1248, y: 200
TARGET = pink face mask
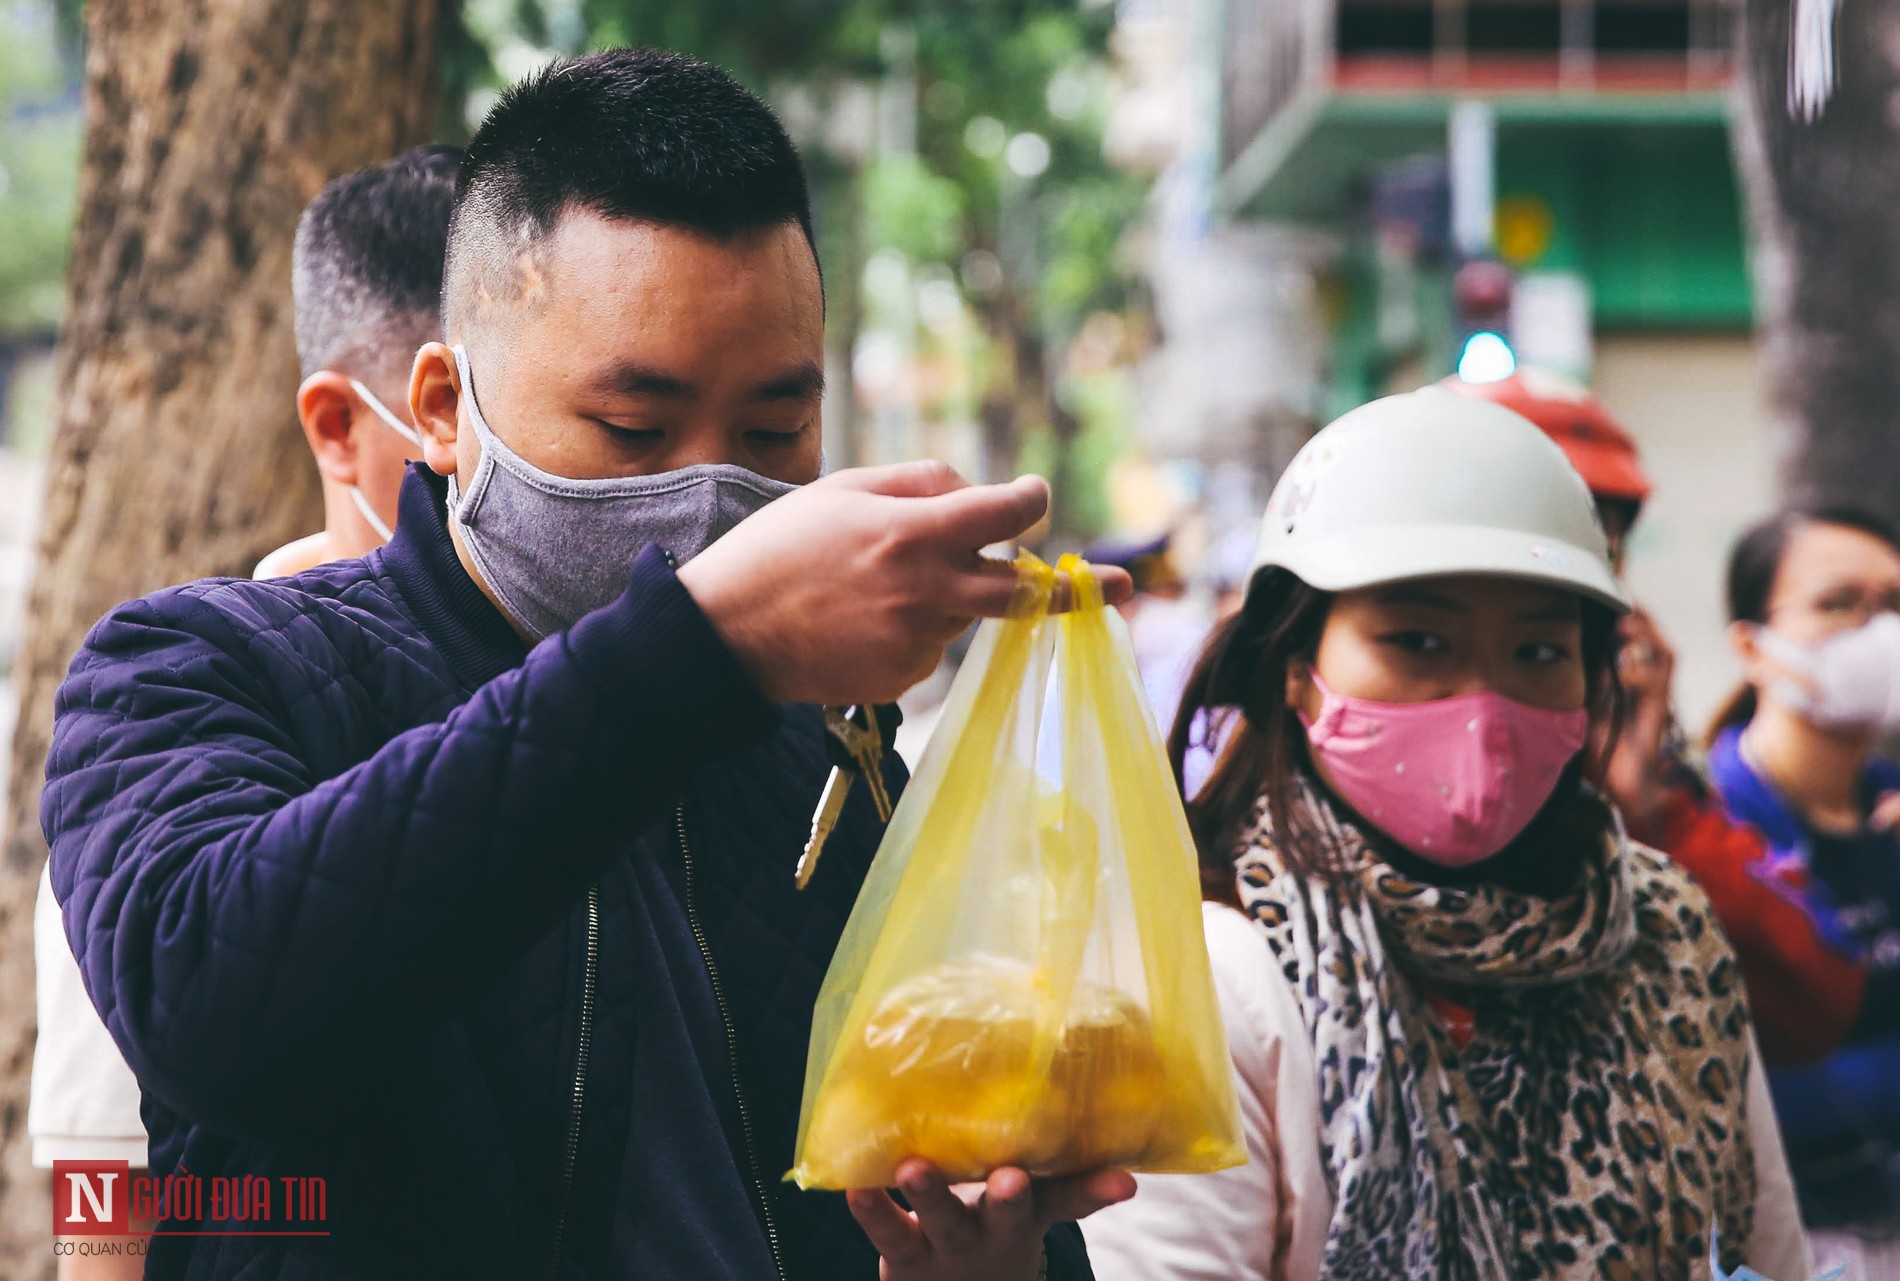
x: 1453, y: 780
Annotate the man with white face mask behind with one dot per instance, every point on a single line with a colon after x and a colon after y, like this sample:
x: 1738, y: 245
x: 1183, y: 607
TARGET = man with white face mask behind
x: 481, y: 848
x: 366, y: 284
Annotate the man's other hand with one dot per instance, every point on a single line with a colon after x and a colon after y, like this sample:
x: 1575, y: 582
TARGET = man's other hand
x: 990, y: 1231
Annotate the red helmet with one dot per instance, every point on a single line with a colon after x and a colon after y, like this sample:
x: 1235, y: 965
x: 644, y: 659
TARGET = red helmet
x: 1600, y: 450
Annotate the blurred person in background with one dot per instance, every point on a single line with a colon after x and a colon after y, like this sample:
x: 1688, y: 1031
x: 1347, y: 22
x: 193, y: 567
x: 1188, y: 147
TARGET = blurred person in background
x: 1229, y: 565
x: 1165, y: 626
x: 366, y: 278
x: 1811, y: 896
x: 1479, y: 1033
x: 1650, y: 775
x: 366, y: 284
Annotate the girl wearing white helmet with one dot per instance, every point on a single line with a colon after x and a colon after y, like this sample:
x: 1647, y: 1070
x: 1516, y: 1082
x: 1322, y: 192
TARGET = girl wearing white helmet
x: 1479, y: 1034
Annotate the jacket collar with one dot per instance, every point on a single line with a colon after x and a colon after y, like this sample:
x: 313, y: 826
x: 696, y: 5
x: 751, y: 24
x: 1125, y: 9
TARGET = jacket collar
x: 1753, y: 799
x: 1749, y: 796
x: 473, y: 637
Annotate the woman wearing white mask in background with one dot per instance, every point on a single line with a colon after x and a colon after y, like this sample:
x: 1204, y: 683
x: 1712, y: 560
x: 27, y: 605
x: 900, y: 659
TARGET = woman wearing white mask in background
x: 1478, y: 1033
x: 1813, y: 904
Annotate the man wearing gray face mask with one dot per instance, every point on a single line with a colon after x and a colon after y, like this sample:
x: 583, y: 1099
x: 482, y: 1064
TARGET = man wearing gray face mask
x: 481, y: 848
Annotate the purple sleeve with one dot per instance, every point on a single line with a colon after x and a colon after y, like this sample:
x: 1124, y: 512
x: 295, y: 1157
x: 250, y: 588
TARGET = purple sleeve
x: 241, y: 923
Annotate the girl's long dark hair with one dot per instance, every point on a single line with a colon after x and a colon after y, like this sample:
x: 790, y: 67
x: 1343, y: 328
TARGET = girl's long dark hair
x: 1238, y: 689
x: 1752, y: 568
x: 1235, y: 700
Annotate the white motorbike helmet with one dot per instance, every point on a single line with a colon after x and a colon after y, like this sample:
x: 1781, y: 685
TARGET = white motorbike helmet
x: 1429, y: 484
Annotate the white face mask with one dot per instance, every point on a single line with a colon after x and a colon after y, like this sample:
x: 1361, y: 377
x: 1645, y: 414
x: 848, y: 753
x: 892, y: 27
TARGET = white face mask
x: 394, y: 424
x: 1855, y: 675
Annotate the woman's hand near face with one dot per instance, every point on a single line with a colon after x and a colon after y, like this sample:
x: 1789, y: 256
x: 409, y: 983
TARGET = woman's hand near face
x: 1645, y: 668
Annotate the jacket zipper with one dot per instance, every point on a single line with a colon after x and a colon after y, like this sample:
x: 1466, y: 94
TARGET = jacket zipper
x: 589, y: 976
x: 732, y: 1045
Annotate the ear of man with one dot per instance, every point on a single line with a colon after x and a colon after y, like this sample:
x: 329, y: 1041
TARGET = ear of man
x: 328, y: 409
x: 435, y: 402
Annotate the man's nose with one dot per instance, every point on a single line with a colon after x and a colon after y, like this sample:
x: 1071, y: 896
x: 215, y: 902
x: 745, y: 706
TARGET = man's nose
x: 697, y: 449
x: 698, y: 441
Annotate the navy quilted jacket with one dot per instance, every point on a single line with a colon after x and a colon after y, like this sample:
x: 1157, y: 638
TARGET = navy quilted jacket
x: 502, y: 944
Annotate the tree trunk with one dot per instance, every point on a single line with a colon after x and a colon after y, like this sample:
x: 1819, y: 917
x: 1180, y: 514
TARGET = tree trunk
x: 1001, y: 411
x: 844, y: 413
x: 1824, y: 201
x: 1066, y: 429
x: 176, y: 453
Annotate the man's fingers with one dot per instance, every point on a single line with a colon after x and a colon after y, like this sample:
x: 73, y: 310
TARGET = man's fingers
x: 968, y: 517
x: 948, y: 1224
x: 1080, y: 1195
x: 984, y: 590
x: 892, y: 1232
x: 1115, y: 583
x: 1009, y: 1204
x: 979, y: 515
x: 993, y: 586
x: 928, y: 479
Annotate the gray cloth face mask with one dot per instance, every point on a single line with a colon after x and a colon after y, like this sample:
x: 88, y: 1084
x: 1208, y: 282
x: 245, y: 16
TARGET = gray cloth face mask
x: 554, y: 549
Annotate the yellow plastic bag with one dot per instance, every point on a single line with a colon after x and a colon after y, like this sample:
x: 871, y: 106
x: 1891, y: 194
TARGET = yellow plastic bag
x: 1024, y: 980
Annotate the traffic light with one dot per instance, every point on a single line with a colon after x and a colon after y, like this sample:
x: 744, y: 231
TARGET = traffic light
x: 1481, y: 320
x: 1486, y: 358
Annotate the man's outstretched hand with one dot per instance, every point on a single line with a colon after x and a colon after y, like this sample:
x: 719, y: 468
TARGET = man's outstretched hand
x: 990, y: 1231
x: 848, y: 590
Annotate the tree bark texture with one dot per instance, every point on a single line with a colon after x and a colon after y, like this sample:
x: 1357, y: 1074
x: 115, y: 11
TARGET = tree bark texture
x: 1824, y: 204
x: 176, y: 453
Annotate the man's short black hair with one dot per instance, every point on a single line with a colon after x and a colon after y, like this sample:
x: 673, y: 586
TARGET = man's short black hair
x: 366, y: 273
x: 636, y: 134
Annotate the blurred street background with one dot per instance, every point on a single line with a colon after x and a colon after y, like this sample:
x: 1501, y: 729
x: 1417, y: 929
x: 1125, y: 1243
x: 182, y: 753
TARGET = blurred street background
x: 1142, y: 247
x: 1145, y: 248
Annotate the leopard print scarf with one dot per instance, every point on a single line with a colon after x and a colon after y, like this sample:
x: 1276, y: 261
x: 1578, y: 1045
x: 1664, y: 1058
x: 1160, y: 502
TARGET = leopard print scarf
x: 1595, y: 1124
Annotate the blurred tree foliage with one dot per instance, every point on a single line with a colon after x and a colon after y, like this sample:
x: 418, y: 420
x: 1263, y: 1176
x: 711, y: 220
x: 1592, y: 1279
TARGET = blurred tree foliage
x: 997, y: 180
x: 1013, y: 97
x: 39, y: 164
x: 963, y: 135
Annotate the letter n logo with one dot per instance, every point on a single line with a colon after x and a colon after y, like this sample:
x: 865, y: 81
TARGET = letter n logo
x: 91, y: 1198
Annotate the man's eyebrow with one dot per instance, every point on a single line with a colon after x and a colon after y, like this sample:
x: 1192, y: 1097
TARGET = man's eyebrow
x: 639, y: 380
x: 1562, y: 611
x: 802, y: 383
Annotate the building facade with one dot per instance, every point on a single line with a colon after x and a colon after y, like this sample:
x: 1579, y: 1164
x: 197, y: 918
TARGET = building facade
x: 1579, y: 152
